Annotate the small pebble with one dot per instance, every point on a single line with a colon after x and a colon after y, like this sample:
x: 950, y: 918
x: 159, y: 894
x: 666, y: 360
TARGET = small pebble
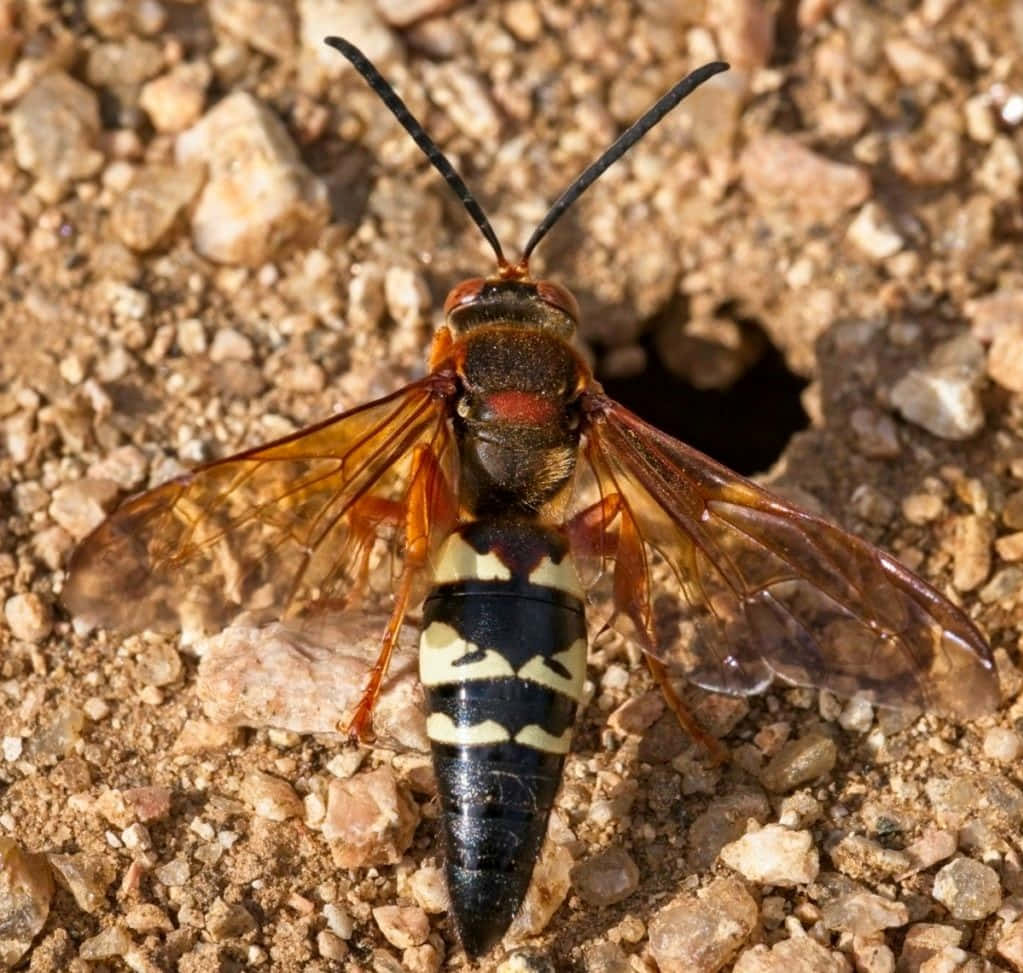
x: 864, y: 914
x: 370, y: 819
x: 859, y: 857
x: 875, y: 432
x: 429, y: 888
x: 258, y: 196
x: 174, y: 873
x: 268, y: 27
x: 111, y: 943
x: 126, y: 466
x: 55, y: 129
x: 147, y: 211
x: 873, y: 233
x: 82, y: 505
x: 86, y: 877
x: 972, y: 551
x: 358, y: 20
x: 800, y: 954
x: 175, y: 100
x: 404, y: 13
x: 225, y: 921
x: 637, y: 714
x: 606, y: 878
x: 270, y: 797
x: 548, y: 889
x: 230, y: 345
x: 703, y: 933
x: 26, y: 889
x: 800, y: 761
x: 1005, y: 356
x: 402, y: 926
x: 930, y: 848
x: 922, y: 508
x: 28, y: 616
x: 1003, y: 745
x: 774, y: 855
x: 148, y: 918
x: 1009, y: 547
x: 1010, y: 944
x: 941, y: 399
x: 331, y: 946
x: 724, y: 820
x: 969, y: 889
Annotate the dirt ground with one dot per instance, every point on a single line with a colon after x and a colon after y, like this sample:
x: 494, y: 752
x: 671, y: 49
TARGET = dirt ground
x: 212, y: 234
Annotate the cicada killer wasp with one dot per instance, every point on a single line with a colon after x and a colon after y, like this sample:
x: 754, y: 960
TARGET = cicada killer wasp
x: 503, y: 485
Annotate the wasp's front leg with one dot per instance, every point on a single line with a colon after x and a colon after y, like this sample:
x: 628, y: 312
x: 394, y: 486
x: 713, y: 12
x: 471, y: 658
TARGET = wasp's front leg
x: 428, y: 502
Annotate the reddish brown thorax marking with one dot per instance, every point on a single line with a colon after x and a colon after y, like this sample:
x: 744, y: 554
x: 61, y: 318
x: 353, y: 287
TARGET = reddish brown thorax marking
x: 512, y: 405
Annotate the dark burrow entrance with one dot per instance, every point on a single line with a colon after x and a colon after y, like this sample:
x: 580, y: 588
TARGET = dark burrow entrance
x: 746, y: 426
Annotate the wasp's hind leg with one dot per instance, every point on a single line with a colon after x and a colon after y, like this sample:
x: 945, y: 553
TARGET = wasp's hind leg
x: 607, y: 530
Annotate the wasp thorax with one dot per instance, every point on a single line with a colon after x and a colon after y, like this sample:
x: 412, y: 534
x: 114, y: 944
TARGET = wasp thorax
x: 526, y: 303
x: 517, y: 415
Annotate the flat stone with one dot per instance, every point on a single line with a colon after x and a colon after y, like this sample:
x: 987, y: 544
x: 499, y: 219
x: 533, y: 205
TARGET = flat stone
x: 264, y: 677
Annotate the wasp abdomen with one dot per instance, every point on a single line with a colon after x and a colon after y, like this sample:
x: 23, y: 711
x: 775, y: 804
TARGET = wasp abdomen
x: 503, y: 658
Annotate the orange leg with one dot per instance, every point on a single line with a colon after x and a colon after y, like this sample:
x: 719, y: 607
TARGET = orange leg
x: 590, y: 533
x: 367, y: 515
x: 717, y: 751
x: 429, y: 501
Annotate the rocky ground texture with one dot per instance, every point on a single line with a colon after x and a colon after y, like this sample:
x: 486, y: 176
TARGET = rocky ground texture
x: 211, y: 234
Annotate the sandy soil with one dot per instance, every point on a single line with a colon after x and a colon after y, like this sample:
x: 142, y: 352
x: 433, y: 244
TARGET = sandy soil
x: 186, y: 270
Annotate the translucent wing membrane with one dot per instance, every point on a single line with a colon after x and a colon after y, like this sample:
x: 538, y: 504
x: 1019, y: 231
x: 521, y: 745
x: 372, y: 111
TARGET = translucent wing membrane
x: 735, y: 587
x: 271, y: 531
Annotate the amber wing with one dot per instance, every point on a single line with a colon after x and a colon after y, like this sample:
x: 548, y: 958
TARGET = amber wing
x: 271, y: 531
x: 734, y: 587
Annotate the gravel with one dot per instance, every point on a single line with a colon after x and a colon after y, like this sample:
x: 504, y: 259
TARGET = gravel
x: 211, y: 234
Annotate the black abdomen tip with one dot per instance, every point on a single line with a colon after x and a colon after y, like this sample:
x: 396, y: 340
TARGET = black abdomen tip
x: 487, y: 903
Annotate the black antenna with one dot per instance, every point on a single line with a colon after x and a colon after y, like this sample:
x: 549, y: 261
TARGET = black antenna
x: 399, y: 109
x: 622, y: 144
